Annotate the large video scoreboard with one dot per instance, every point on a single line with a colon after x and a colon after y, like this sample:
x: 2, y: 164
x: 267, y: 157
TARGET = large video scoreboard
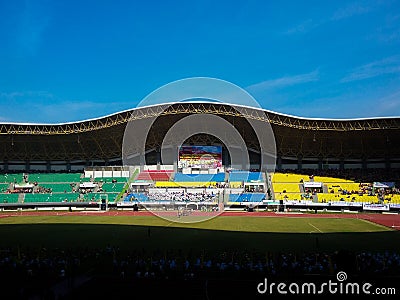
x: 201, y: 157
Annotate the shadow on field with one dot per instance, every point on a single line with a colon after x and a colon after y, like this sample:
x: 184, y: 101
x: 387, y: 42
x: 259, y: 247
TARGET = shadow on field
x: 99, y: 274
x: 156, y: 237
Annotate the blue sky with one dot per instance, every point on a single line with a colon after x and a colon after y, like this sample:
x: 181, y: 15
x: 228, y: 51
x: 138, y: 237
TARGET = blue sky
x: 69, y: 60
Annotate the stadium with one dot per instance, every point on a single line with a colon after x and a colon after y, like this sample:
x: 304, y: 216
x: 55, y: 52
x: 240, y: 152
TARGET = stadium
x: 333, y: 193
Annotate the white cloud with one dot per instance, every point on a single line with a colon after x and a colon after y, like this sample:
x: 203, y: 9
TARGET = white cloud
x: 44, y: 107
x: 25, y: 94
x: 389, y: 104
x: 390, y: 65
x: 351, y: 10
x: 285, y: 81
x: 360, y: 104
x: 70, y: 111
x: 389, y: 31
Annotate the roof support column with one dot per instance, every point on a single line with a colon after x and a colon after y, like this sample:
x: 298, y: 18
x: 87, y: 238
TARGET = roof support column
x: 225, y: 157
x: 158, y: 157
x: 176, y: 159
x: 364, y: 163
x: 387, y: 162
x: 279, y: 163
x: 300, y: 162
x: 320, y: 163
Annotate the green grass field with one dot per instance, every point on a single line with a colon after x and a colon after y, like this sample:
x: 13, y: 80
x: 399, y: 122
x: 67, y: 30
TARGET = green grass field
x: 238, y: 223
x: 221, y: 233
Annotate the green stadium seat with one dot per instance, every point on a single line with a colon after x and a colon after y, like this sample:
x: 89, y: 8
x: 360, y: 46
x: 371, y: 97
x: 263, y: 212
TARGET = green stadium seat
x: 4, y: 187
x: 54, y: 177
x: 113, y: 187
x: 32, y: 198
x: 58, y: 187
x: 9, y: 198
x: 85, y: 179
x: 110, y: 179
x: 10, y: 178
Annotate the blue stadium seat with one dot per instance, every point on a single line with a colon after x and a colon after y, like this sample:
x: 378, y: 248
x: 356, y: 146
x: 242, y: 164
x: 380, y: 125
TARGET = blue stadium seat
x: 248, y: 197
x: 239, y: 176
x: 138, y: 196
x: 219, y: 177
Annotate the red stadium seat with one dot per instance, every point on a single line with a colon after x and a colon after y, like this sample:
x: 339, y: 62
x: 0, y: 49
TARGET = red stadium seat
x: 155, y: 175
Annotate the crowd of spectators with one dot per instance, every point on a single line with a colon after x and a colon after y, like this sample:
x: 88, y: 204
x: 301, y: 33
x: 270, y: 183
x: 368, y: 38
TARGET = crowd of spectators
x: 58, y: 264
x: 365, y: 178
x: 357, y: 175
x: 44, y: 190
x: 84, y: 191
x: 182, y: 196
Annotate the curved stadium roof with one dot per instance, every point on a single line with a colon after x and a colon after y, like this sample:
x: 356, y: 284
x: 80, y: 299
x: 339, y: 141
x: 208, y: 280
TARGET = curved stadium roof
x: 101, y: 138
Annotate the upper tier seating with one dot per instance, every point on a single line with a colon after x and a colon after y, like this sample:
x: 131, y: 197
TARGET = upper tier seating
x: 155, y: 175
x: 286, y: 187
x: 110, y: 179
x: 239, y: 176
x: 187, y: 184
x: 219, y: 177
x: 10, y: 178
x: 85, y: 179
x: 58, y: 187
x: 288, y: 178
x: 54, y: 177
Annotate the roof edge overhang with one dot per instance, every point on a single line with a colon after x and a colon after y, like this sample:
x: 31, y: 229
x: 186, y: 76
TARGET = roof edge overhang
x: 201, y: 102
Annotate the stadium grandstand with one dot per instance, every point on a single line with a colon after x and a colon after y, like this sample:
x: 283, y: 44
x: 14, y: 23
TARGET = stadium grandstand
x: 320, y: 163
x: 65, y: 192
